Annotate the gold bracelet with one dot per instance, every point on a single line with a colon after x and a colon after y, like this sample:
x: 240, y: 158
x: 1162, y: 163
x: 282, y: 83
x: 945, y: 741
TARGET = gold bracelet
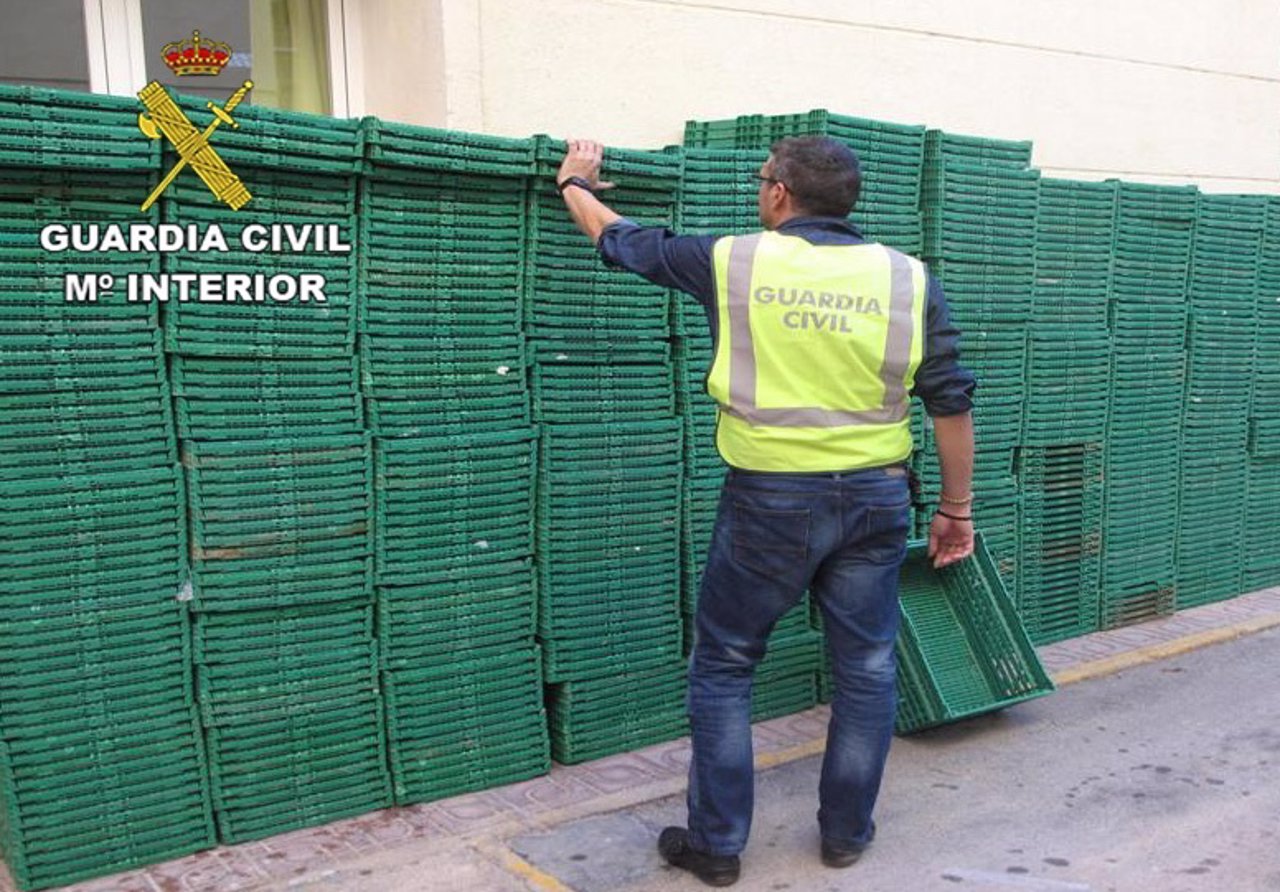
x: 949, y: 501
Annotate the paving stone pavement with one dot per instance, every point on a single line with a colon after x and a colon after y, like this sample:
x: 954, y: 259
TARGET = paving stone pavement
x: 463, y: 828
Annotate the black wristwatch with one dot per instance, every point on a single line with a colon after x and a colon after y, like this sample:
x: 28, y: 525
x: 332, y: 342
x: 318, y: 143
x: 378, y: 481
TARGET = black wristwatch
x: 580, y: 182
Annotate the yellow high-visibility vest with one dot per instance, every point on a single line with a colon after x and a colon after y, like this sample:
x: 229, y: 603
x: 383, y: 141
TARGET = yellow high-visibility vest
x: 817, y: 350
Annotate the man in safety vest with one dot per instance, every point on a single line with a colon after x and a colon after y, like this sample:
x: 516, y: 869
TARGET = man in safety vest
x: 821, y: 339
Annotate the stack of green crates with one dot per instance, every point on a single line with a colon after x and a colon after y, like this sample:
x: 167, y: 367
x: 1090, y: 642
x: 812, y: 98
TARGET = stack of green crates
x: 1222, y: 291
x: 961, y: 649
x: 1075, y: 227
x: 1262, y: 527
x: 281, y: 556
x: 469, y: 723
x: 103, y: 761
x: 279, y: 483
x: 1060, y: 484
x: 609, y: 469
x: 444, y: 375
x: 1069, y: 349
x: 82, y: 385
x: 577, y: 380
x: 979, y: 201
x: 1061, y: 540
x: 278, y: 479
x: 890, y: 156
x: 717, y: 197
x: 279, y: 522
x: 59, y: 130
x: 456, y: 612
x: 302, y: 170
x: 447, y: 503
x: 569, y: 292
x: 102, y: 766
x: 1141, y: 499
x: 292, y: 717
x: 89, y: 535
x: 1068, y: 387
x: 441, y: 268
x: 226, y: 398
x: 637, y: 703
x: 719, y: 194
x: 1068, y: 382
x: 608, y: 583
x: 1151, y: 257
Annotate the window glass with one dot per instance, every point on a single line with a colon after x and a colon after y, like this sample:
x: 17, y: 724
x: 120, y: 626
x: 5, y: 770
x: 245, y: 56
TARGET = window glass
x: 44, y: 44
x: 280, y: 45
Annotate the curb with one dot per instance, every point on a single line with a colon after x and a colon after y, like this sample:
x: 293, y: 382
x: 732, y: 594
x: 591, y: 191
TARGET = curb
x: 516, y: 866
x: 1164, y: 650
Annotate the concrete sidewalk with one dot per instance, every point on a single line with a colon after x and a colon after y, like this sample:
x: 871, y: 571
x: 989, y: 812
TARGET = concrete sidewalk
x: 951, y: 791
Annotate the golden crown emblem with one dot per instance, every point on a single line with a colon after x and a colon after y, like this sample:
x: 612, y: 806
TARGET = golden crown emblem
x: 192, y: 55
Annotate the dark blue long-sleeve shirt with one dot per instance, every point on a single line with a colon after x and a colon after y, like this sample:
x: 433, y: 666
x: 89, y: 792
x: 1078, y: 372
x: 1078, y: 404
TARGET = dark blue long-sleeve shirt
x: 685, y: 262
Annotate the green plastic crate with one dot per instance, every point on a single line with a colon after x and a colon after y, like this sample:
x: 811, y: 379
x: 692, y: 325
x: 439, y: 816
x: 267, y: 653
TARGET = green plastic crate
x: 966, y: 650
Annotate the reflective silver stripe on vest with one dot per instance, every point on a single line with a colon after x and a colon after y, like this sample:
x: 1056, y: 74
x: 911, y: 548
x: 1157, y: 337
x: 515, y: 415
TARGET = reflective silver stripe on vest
x: 742, y: 356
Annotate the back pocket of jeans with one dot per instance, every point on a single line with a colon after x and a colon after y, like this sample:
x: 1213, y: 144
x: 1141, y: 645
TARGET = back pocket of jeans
x: 888, y: 518
x: 887, y: 530
x: 771, y: 541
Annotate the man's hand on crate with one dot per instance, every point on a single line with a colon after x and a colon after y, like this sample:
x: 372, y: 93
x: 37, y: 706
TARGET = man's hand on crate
x: 578, y: 181
x: 950, y: 539
x: 583, y: 159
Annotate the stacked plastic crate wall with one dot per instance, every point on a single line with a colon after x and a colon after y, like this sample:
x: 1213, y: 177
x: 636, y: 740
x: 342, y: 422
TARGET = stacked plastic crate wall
x: 979, y: 206
x: 280, y: 492
x: 609, y: 469
x: 1262, y: 514
x: 1060, y: 461
x: 1148, y: 318
x: 266, y: 566
x: 102, y: 763
x: 1222, y: 337
x: 443, y: 369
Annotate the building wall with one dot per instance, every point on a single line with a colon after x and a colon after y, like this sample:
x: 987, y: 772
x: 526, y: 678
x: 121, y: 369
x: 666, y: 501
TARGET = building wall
x: 401, y: 55
x: 1141, y: 89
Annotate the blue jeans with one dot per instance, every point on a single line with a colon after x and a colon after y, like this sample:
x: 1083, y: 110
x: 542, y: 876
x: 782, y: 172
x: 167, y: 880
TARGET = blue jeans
x: 843, y: 537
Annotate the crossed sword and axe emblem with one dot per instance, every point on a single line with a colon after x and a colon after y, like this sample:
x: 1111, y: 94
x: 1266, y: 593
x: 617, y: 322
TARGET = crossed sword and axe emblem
x: 164, y: 118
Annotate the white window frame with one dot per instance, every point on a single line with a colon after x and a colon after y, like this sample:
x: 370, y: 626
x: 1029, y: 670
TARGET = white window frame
x: 346, y: 59
x: 117, y: 25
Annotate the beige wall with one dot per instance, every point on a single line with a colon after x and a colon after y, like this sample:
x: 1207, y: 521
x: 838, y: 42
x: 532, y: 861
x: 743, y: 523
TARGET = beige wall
x: 1142, y: 89
x: 401, y: 54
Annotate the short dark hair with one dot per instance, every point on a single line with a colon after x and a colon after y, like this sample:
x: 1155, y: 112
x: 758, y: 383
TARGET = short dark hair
x: 822, y: 174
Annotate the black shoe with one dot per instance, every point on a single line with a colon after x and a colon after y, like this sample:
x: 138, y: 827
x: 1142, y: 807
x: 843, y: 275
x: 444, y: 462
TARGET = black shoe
x: 714, y: 870
x: 840, y: 855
